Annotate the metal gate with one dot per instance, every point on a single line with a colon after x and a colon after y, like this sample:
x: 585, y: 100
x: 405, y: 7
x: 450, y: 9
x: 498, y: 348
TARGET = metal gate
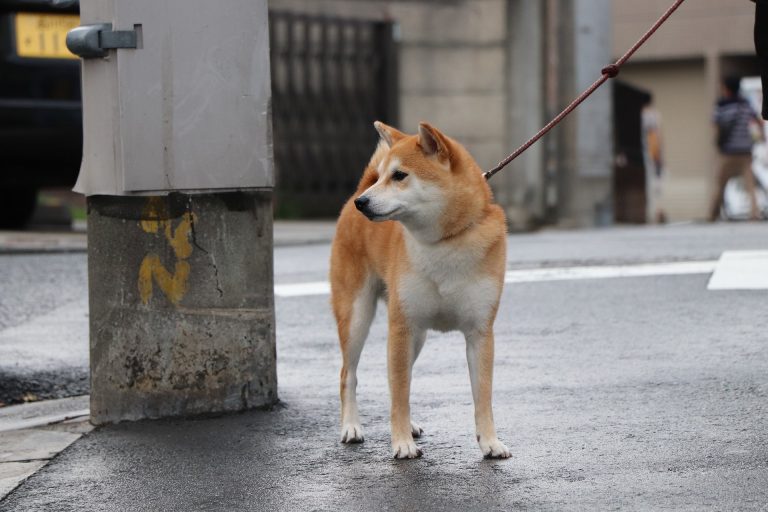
x: 331, y: 78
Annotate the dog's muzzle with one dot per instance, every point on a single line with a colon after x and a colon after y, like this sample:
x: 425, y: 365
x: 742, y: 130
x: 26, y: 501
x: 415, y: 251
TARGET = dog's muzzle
x: 362, y: 203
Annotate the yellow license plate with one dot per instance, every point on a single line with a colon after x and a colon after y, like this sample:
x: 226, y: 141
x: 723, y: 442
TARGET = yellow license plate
x: 44, y: 35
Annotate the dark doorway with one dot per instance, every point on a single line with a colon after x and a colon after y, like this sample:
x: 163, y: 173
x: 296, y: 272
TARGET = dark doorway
x: 629, y: 172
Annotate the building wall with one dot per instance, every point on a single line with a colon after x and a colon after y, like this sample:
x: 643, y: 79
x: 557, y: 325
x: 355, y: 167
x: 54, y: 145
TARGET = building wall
x: 682, y: 66
x: 475, y: 69
x: 697, y: 28
x: 452, y: 64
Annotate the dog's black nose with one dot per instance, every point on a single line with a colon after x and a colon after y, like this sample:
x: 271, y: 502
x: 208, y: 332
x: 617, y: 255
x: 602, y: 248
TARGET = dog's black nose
x: 361, y: 203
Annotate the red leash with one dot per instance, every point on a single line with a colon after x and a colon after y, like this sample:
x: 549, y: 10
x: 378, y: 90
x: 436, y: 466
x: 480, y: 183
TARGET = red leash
x: 608, y: 72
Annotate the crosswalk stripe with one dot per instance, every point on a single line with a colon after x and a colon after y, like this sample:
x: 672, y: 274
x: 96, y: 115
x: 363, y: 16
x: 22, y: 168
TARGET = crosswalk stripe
x: 740, y: 270
x: 545, y: 274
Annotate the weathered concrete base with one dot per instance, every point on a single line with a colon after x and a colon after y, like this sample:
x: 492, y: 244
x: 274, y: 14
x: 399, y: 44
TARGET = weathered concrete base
x: 181, y: 305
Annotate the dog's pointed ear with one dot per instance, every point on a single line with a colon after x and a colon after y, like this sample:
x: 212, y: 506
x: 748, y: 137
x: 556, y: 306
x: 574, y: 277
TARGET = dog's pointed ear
x: 388, y: 134
x: 433, y: 142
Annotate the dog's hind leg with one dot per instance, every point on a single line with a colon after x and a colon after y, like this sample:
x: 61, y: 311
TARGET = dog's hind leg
x: 480, y: 360
x: 418, y: 344
x: 354, y: 310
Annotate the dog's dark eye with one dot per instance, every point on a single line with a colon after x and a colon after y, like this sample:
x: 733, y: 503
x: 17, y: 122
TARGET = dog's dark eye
x: 399, y: 175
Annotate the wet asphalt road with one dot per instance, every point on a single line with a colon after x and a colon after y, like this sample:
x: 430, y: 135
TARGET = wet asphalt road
x: 619, y: 394
x: 32, y: 286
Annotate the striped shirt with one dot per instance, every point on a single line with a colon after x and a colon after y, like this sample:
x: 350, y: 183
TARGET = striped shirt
x: 733, y: 117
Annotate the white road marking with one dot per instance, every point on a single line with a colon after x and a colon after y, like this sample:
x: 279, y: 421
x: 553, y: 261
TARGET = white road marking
x: 741, y: 270
x: 545, y: 274
x: 303, y: 289
x: 609, y: 271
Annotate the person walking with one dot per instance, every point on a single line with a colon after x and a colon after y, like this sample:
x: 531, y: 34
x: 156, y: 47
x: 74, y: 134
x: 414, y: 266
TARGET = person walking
x: 735, y: 122
x: 650, y: 123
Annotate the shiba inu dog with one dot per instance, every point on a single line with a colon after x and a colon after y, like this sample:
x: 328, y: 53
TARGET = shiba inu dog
x: 422, y: 232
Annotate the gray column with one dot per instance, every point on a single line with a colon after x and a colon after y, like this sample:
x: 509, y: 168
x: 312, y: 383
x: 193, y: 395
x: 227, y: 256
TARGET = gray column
x: 520, y: 186
x: 181, y: 304
x: 585, y: 167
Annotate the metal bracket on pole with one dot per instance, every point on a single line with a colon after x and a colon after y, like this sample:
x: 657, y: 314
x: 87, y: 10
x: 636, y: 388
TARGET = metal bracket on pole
x: 94, y: 41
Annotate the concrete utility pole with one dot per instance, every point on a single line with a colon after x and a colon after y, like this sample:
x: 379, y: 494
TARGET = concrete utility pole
x: 177, y: 167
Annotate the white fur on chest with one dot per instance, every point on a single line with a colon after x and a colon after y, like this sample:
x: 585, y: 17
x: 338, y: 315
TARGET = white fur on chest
x: 445, y: 288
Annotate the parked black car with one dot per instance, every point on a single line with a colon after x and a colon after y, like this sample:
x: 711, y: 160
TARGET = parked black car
x: 40, y: 109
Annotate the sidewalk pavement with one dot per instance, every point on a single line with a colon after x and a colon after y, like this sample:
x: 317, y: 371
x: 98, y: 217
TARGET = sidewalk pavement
x: 33, y: 242
x: 286, y: 233
x: 32, y: 434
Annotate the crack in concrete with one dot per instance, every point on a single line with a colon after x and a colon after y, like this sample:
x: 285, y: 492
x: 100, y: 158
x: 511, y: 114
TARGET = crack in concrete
x: 196, y: 244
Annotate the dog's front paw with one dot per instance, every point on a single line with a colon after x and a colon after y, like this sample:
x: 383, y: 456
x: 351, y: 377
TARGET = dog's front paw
x: 416, y: 430
x: 352, y: 433
x: 493, y: 448
x: 406, y: 449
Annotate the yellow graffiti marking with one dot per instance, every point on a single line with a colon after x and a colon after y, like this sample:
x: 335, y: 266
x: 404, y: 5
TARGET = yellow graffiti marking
x: 152, y: 270
x: 152, y: 212
x: 173, y: 285
x: 180, y: 239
